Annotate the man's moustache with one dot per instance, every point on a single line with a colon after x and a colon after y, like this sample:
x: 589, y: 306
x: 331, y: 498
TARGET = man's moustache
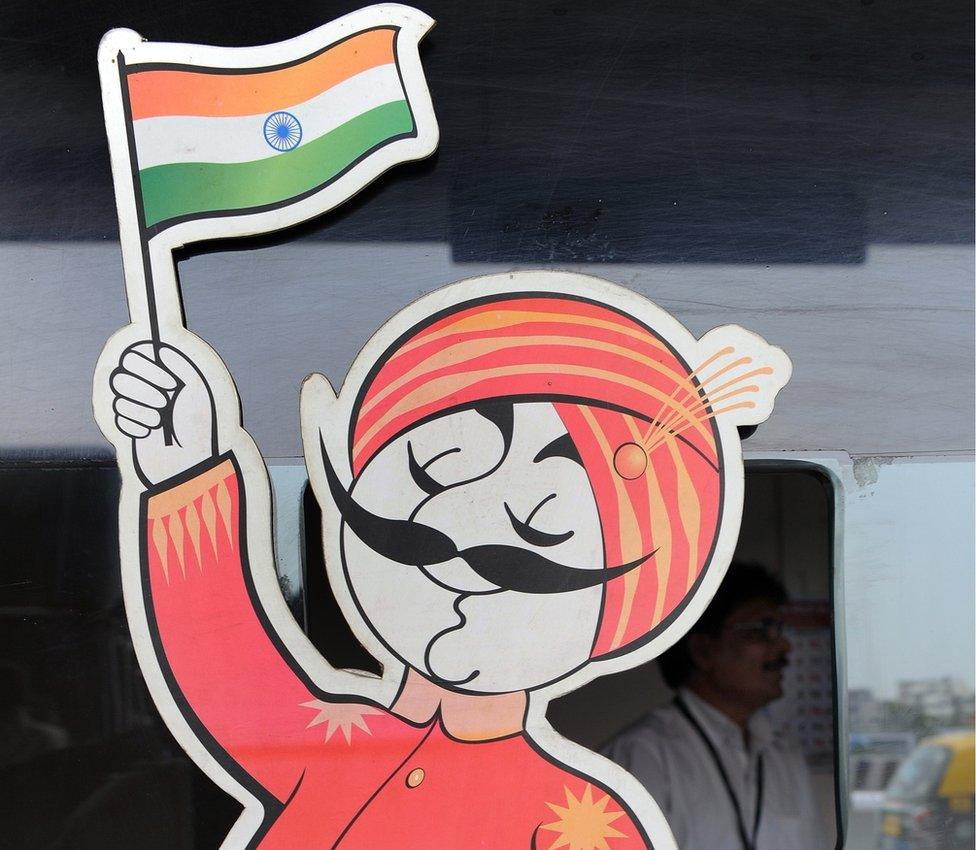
x: 418, y: 545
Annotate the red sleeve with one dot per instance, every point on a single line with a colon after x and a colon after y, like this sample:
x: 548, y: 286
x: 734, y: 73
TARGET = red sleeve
x: 227, y: 670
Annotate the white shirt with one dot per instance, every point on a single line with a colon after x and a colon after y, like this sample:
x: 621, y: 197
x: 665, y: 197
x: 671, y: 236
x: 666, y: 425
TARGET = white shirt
x: 665, y: 752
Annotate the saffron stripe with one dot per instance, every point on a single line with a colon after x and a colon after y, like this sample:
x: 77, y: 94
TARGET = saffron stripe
x: 689, y: 510
x: 445, y: 391
x: 661, y: 532
x: 673, y: 589
x: 657, y: 523
x: 502, y: 317
x: 219, y: 93
x: 467, y: 355
x: 631, y: 539
x: 179, y: 189
x: 602, y: 482
x: 543, y: 305
x: 402, y: 362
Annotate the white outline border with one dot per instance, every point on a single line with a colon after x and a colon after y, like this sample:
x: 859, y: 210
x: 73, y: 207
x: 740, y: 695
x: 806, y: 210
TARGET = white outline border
x: 322, y: 408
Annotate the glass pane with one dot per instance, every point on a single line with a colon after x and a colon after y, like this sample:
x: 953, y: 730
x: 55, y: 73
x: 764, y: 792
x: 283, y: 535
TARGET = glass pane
x: 85, y: 761
x: 909, y: 587
x: 920, y: 774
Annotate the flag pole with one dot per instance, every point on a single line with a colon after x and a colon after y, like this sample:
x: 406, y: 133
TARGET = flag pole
x: 142, y: 233
x: 134, y: 236
x: 152, y: 312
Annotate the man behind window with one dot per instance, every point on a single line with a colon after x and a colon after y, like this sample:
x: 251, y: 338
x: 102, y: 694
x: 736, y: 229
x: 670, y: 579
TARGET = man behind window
x: 711, y: 761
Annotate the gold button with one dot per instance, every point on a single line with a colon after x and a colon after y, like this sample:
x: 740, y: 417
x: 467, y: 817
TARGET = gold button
x: 415, y: 777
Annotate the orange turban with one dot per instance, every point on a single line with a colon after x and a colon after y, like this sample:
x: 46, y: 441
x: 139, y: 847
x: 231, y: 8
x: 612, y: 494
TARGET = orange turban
x: 632, y: 406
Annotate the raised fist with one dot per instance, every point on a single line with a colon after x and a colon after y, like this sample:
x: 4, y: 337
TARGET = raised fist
x: 167, y: 409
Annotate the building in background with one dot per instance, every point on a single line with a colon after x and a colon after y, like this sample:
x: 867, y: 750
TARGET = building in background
x: 947, y: 700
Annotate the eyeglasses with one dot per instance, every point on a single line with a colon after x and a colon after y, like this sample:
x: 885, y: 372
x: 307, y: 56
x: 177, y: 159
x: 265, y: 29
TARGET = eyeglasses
x: 767, y: 630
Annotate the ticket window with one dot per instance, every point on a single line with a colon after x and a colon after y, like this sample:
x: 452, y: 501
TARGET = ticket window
x: 64, y: 629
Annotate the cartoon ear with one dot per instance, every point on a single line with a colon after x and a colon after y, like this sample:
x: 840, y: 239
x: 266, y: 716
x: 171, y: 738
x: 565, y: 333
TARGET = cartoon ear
x: 317, y: 393
x: 740, y: 374
x: 319, y: 415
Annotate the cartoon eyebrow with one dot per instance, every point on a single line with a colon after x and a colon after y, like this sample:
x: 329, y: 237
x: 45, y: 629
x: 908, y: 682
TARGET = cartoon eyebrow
x: 560, y: 447
x: 531, y: 535
x: 502, y: 415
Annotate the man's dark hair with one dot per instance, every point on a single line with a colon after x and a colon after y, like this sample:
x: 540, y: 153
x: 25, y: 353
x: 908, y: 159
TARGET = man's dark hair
x: 742, y: 583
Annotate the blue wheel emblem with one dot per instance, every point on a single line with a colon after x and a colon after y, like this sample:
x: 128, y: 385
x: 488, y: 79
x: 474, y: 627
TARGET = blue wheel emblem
x: 282, y: 131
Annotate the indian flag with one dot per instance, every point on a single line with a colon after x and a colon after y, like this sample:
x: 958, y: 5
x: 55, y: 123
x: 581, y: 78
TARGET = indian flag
x: 207, y: 141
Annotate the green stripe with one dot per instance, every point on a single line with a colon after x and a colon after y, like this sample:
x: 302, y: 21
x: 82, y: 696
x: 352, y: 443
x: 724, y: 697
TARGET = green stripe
x: 187, y: 188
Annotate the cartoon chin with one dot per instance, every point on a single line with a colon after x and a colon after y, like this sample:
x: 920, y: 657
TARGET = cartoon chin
x: 477, y: 653
x: 452, y: 679
x: 443, y: 664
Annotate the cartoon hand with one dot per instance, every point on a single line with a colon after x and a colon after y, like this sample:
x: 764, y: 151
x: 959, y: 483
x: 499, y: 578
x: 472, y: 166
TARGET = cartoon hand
x: 166, y: 407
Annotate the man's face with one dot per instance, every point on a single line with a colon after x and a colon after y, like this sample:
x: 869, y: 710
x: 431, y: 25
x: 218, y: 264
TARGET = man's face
x: 462, y: 475
x: 745, y: 660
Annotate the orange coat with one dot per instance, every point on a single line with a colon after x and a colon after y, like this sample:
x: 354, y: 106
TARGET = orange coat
x: 333, y: 770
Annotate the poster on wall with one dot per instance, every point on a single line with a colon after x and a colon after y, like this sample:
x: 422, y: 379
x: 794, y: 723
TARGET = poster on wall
x: 527, y: 480
x: 806, y: 713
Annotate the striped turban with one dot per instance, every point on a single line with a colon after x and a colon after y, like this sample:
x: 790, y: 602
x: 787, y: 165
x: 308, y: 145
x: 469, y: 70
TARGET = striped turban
x: 632, y: 406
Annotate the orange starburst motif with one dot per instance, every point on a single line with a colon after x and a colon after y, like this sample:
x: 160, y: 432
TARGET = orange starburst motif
x: 340, y: 717
x: 584, y: 823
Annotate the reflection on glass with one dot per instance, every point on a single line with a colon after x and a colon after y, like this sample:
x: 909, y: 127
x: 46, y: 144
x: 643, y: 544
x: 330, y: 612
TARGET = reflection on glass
x: 908, y: 582
x: 85, y: 762
x: 929, y: 801
x: 919, y: 775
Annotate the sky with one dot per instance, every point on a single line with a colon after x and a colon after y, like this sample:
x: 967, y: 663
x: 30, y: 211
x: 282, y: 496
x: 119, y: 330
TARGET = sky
x: 909, y: 562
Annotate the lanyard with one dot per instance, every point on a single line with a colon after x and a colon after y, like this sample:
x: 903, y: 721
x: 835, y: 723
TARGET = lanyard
x: 743, y: 835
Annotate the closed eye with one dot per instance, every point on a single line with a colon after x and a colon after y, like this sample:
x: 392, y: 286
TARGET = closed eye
x: 419, y: 473
x: 500, y: 414
x: 531, y: 535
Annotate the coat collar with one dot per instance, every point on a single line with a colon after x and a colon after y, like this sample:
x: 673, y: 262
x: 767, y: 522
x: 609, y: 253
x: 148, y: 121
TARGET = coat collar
x: 466, y: 717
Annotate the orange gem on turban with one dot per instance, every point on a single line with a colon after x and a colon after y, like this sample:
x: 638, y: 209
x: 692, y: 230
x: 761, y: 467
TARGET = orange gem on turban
x: 630, y: 403
x: 630, y: 461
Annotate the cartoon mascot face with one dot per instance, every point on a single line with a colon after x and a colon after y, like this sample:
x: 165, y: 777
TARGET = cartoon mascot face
x: 534, y: 478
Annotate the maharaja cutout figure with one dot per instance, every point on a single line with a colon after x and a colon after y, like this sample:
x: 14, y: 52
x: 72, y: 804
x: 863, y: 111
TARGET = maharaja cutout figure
x: 527, y: 480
